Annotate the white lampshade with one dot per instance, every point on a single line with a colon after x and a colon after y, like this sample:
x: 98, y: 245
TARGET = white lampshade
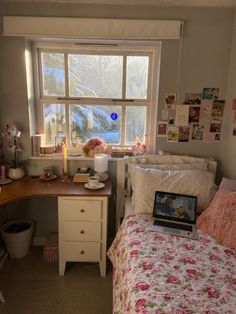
x: 100, y: 162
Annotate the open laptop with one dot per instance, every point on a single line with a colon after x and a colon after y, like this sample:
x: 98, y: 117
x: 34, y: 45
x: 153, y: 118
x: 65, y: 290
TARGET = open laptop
x: 175, y: 214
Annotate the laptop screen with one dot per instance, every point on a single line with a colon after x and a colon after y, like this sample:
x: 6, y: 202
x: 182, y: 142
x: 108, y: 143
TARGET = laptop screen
x: 177, y: 207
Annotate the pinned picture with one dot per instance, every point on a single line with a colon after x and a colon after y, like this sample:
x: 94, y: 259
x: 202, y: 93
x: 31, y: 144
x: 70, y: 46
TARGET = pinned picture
x: 192, y: 99
x: 162, y: 128
x: 194, y: 114
x: 172, y: 134
x: 171, y: 121
x: 208, y: 137
x: 197, y: 131
x: 215, y: 126
x: 164, y: 114
x: 210, y: 93
x: 234, y: 117
x: 184, y: 133
x: 182, y: 115
x: 218, y: 108
x: 217, y: 137
x: 234, y: 104
x: 206, y: 110
x: 170, y: 100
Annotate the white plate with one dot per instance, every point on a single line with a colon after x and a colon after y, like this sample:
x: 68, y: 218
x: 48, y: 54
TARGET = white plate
x: 5, y: 181
x: 100, y: 185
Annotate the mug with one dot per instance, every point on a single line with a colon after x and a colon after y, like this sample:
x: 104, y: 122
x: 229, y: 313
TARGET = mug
x: 93, y: 181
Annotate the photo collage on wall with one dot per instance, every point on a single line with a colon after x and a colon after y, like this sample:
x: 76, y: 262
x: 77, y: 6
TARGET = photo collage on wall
x: 234, y: 117
x: 198, y: 118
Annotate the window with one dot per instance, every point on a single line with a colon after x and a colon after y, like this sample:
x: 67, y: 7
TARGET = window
x: 96, y: 91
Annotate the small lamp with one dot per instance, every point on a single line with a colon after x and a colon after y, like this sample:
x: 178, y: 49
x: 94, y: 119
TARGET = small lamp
x: 101, y: 166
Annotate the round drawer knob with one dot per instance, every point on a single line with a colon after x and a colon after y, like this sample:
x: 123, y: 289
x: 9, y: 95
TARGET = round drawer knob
x: 82, y: 231
x: 82, y: 252
x: 82, y: 210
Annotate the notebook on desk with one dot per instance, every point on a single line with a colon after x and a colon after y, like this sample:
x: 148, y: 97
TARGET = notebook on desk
x: 175, y: 214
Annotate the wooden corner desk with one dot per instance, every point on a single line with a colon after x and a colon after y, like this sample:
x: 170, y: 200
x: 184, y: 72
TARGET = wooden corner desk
x: 82, y: 216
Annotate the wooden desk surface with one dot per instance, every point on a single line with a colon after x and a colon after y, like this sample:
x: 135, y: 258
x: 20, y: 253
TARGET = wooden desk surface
x: 29, y: 187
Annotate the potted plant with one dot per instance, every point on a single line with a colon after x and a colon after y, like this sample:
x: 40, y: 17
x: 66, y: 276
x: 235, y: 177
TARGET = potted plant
x: 12, y: 134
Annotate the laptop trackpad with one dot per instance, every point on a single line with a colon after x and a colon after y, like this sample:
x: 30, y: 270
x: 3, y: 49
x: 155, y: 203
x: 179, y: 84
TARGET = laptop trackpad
x: 171, y: 230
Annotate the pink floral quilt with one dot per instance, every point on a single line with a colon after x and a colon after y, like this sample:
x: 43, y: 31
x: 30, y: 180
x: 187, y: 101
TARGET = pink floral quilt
x: 156, y: 273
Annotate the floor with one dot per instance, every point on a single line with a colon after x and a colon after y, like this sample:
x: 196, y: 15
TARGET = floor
x: 31, y: 286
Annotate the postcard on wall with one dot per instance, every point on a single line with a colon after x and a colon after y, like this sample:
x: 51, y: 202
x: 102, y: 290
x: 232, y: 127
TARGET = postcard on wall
x: 170, y: 100
x: 181, y: 116
x: 234, y: 104
x: 171, y: 121
x: 192, y: 99
x: 197, y: 131
x: 162, y: 128
x: 218, y: 108
x: 206, y: 110
x: 194, y: 114
x: 234, y: 130
x: 234, y: 117
x: 208, y: 137
x: 215, y: 126
x: 217, y: 137
x: 172, y: 134
x: 210, y: 93
x: 164, y: 115
x: 184, y: 133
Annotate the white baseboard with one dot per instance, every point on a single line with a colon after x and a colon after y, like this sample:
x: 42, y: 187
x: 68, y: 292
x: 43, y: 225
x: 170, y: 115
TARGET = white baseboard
x: 39, y: 241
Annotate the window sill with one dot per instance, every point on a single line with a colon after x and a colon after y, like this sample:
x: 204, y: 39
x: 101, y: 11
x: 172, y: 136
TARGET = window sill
x: 59, y: 157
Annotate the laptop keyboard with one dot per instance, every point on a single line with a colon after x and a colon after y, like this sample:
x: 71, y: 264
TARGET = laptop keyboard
x: 172, y: 225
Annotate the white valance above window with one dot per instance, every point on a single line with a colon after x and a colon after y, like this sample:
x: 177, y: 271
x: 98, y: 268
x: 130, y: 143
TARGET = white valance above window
x: 89, y: 28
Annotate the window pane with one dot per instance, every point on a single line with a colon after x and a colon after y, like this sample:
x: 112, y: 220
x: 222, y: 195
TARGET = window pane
x: 95, y: 76
x: 137, y: 77
x: 54, y: 121
x: 53, y: 74
x: 95, y: 121
x: 135, y: 124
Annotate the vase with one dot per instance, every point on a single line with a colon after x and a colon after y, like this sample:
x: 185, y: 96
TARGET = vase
x: 16, y: 173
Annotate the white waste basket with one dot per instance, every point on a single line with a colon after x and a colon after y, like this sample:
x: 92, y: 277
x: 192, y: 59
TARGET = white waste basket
x: 17, y: 236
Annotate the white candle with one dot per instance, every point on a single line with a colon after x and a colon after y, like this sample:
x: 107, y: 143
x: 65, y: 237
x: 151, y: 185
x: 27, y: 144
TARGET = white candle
x: 64, y: 158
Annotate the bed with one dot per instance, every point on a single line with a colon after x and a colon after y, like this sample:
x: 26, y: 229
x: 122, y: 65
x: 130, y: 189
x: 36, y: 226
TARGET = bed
x: 160, y: 273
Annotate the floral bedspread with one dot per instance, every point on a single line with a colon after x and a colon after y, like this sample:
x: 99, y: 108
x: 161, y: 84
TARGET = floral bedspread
x: 161, y: 273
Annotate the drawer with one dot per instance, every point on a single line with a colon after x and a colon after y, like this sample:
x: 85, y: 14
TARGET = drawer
x: 82, y: 251
x: 74, y: 209
x: 82, y: 231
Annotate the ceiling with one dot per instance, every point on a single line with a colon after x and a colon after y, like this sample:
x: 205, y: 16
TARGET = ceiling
x: 175, y: 3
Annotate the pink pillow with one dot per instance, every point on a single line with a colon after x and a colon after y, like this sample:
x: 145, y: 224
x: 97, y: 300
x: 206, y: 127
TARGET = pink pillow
x: 219, y: 219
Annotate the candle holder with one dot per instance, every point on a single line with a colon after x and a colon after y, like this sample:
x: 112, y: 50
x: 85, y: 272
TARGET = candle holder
x: 64, y: 177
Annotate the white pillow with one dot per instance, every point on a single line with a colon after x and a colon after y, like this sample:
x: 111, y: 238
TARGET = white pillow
x: 190, y: 182
x: 200, y: 165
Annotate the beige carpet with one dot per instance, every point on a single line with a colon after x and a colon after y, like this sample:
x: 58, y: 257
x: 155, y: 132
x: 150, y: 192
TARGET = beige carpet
x: 31, y: 286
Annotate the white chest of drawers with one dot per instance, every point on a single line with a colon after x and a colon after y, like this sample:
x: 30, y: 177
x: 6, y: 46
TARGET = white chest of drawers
x: 82, y: 222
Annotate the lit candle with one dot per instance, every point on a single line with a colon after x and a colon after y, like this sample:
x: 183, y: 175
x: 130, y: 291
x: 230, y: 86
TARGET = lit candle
x: 64, y: 158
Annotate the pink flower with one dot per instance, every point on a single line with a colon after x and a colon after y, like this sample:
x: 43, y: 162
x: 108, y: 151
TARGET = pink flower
x: 134, y: 253
x: 167, y: 297
x: 214, y: 270
x: 214, y: 257
x: 211, y: 312
x: 191, y: 272
x: 140, y: 303
x: 159, y: 237
x: 130, y: 223
x: 212, y: 293
x: 147, y: 266
x: 172, y: 279
x: 188, y: 260
x: 228, y: 252
x: 189, y: 246
x: 142, y: 286
x: 135, y: 242
x: 138, y: 230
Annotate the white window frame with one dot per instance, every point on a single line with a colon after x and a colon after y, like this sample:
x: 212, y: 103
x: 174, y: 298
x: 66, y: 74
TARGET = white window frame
x: 152, y: 49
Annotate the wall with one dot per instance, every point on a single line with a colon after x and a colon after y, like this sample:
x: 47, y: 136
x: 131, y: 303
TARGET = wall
x: 228, y: 147
x: 206, y: 48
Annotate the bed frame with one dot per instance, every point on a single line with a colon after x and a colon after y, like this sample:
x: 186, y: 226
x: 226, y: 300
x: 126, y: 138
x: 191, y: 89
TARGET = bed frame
x: 126, y: 165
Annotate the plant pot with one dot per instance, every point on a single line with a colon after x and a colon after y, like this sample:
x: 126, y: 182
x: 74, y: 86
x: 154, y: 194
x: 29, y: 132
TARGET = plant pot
x: 16, y: 173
